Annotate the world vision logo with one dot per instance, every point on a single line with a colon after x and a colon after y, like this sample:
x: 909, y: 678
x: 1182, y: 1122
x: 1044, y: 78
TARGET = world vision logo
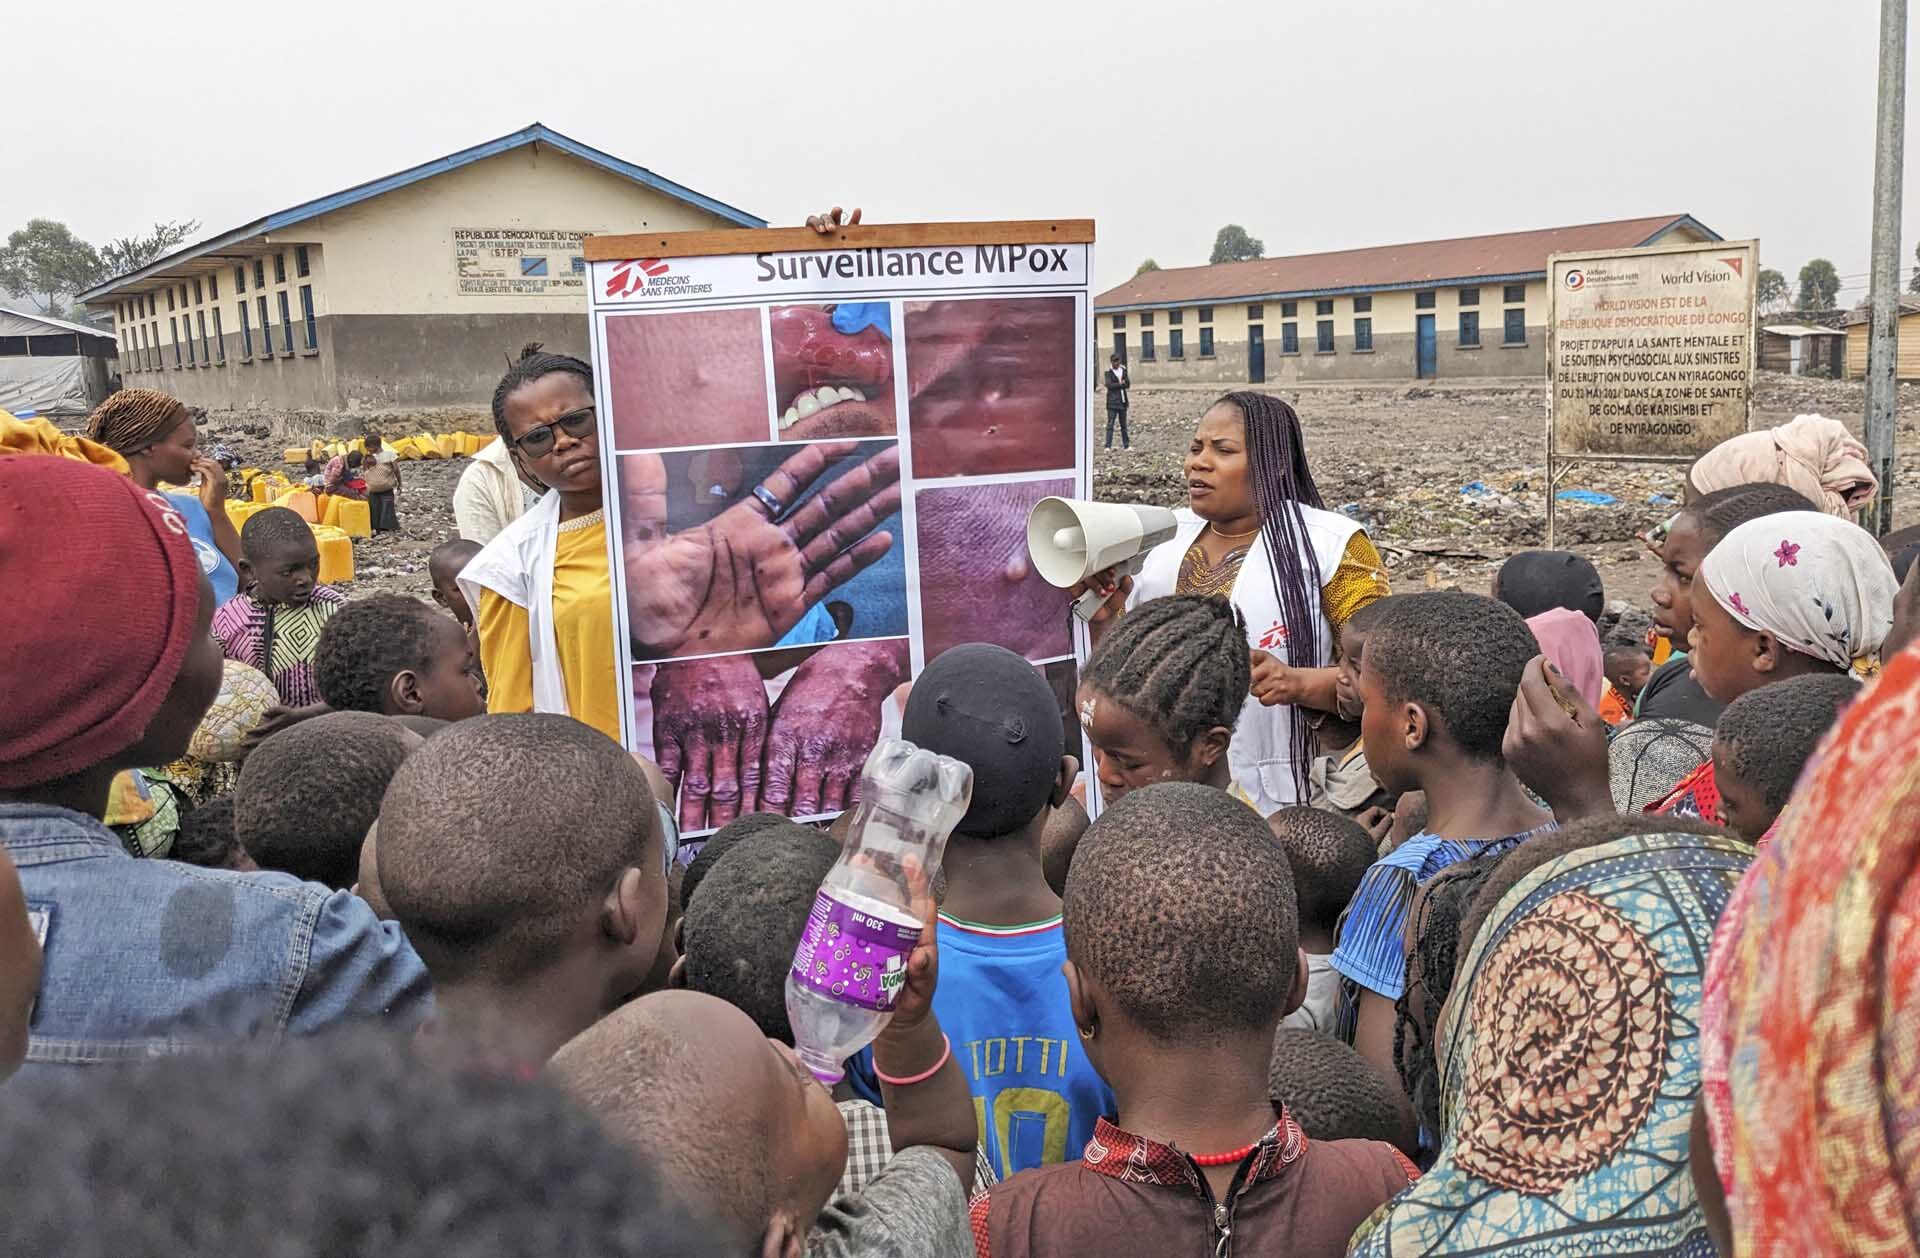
x: 1736, y: 264
x: 630, y: 277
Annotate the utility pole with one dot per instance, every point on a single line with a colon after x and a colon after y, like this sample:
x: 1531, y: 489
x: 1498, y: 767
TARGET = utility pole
x: 1883, y: 334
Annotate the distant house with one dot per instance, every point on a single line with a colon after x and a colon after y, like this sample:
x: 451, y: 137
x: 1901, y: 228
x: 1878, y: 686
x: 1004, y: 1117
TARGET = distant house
x: 1906, y: 359
x: 411, y: 290
x: 1474, y: 306
x: 1802, y: 349
x: 51, y: 367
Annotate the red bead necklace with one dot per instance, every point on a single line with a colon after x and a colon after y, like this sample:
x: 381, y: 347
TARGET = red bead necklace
x: 1223, y: 1159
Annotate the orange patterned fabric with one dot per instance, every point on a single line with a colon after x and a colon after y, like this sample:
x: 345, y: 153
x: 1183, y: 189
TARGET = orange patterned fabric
x: 1822, y: 1040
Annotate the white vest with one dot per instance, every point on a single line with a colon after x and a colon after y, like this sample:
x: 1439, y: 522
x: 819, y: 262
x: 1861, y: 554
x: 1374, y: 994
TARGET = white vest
x: 518, y: 566
x: 1262, y: 753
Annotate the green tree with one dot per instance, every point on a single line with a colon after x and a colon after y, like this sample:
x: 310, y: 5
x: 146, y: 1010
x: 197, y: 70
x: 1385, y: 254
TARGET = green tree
x: 1770, y: 290
x: 130, y: 253
x: 1144, y: 267
x: 1819, y: 285
x: 45, y: 259
x: 1232, y: 244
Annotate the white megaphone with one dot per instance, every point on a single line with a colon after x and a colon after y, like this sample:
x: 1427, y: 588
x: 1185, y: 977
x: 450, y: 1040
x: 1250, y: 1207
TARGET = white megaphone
x: 1071, y: 539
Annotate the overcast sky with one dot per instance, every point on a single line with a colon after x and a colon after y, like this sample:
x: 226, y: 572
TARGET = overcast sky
x: 1316, y: 126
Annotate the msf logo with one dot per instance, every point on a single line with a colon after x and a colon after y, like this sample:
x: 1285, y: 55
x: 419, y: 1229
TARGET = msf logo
x: 630, y: 277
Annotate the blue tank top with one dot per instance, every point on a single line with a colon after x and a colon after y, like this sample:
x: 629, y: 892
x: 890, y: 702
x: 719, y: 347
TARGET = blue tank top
x: 1002, y: 1002
x: 220, y: 572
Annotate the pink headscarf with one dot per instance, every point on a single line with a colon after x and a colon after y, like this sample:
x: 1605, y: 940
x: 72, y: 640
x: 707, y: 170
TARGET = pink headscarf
x: 1572, y: 645
x: 1814, y: 456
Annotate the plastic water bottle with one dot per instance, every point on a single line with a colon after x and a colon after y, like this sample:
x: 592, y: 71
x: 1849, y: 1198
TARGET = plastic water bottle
x: 852, y: 958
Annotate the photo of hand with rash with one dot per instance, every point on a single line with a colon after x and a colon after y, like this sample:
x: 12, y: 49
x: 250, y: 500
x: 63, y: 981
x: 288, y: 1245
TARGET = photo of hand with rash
x: 833, y: 370
x: 686, y: 378
x: 990, y: 385
x: 745, y: 549
x: 778, y: 731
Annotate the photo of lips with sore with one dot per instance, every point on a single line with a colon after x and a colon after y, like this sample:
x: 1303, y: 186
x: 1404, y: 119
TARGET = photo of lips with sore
x: 685, y: 379
x: 990, y: 385
x: 830, y: 383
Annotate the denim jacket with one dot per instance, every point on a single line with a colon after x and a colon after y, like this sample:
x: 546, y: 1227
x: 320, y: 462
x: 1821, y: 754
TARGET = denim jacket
x: 146, y: 957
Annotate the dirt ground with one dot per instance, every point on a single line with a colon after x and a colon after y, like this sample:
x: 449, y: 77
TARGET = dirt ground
x: 1396, y: 458
x: 1400, y: 458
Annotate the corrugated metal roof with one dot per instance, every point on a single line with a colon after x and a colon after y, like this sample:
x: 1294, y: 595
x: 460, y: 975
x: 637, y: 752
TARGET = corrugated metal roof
x: 55, y: 325
x: 536, y: 133
x: 1509, y: 257
x: 1800, y: 329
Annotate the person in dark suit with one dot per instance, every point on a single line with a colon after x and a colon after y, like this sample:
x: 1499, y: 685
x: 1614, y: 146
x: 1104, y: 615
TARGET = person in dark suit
x: 1116, y: 384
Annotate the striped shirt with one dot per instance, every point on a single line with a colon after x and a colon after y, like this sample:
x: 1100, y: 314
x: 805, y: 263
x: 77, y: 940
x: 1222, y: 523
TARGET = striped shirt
x: 1370, y: 947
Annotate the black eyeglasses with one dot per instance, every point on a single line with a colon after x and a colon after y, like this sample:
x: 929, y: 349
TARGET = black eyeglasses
x: 535, y: 442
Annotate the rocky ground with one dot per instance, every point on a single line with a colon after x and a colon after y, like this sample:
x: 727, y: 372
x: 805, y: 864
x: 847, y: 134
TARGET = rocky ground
x: 1449, y: 478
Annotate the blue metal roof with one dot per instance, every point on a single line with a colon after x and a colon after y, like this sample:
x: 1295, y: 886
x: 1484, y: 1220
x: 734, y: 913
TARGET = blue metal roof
x: 537, y: 133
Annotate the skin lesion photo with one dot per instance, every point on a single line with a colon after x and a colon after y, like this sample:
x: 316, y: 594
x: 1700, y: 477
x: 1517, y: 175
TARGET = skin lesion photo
x: 977, y: 582
x: 687, y: 378
x: 990, y: 385
x: 776, y: 731
x: 746, y: 549
x: 833, y: 370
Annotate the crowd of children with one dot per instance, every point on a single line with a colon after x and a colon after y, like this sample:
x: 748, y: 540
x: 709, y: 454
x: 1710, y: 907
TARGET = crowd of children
x: 1559, y: 953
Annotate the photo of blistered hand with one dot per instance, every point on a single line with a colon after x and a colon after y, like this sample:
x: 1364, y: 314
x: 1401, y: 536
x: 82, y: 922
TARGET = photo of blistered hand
x: 825, y: 724
x: 709, y: 728
x: 742, y: 578
x: 833, y: 370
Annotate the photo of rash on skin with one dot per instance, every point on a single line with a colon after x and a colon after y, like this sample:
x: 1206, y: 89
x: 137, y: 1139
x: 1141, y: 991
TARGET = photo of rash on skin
x: 687, y: 378
x: 990, y: 385
x: 833, y: 370
x: 977, y: 582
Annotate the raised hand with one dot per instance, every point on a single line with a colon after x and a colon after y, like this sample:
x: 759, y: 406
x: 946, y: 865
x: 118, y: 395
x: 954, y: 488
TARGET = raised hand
x: 1557, y: 745
x: 825, y: 724
x: 743, y: 579
x: 709, y: 728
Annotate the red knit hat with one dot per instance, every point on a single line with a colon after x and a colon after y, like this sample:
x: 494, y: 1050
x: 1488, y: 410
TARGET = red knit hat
x: 99, y: 600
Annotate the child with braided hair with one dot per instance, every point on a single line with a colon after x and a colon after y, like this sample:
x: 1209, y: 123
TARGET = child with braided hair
x: 1162, y: 693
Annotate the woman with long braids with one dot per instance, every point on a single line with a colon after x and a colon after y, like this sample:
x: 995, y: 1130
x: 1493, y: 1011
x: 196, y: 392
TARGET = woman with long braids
x: 1258, y: 532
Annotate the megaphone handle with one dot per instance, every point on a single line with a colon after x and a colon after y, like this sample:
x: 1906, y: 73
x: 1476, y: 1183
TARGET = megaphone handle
x: 1088, y: 605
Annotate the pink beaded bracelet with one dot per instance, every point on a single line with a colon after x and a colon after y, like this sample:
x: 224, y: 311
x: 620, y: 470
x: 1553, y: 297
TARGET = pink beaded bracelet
x: 946, y: 1052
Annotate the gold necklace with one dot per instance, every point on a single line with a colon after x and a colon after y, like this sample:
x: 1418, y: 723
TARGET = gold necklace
x: 1231, y: 537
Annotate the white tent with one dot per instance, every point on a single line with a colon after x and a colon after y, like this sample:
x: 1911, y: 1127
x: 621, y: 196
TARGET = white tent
x: 52, y: 367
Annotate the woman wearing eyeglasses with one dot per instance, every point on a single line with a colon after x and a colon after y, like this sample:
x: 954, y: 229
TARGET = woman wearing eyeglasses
x: 540, y: 590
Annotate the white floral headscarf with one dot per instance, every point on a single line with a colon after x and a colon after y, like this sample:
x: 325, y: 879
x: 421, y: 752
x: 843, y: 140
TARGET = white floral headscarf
x: 1818, y: 583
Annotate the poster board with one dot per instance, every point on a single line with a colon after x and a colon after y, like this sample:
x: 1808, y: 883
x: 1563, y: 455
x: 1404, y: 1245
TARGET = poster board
x: 822, y: 452
x: 1650, y: 353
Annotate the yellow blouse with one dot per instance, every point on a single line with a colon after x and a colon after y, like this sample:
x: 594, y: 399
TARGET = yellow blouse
x: 582, y: 627
x: 1360, y: 579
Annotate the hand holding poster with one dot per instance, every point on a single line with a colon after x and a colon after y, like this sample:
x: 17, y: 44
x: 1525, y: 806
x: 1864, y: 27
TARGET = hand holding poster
x: 824, y: 452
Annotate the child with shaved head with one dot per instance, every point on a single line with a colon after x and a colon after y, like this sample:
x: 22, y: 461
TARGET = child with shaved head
x: 523, y: 856
x: 742, y: 1131
x: 1182, y: 957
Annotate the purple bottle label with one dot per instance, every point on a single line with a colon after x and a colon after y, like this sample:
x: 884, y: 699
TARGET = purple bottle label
x: 854, y: 957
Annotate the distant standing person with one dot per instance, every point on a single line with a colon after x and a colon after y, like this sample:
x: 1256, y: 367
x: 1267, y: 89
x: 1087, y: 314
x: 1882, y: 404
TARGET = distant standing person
x: 382, y: 472
x: 493, y: 492
x: 1117, y: 384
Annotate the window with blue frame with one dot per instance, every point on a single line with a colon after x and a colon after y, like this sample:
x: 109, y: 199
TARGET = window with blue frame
x: 1289, y: 338
x: 240, y: 278
x: 219, y: 336
x: 300, y: 261
x: 1423, y: 301
x: 1363, y: 305
x: 279, y: 268
x: 259, y: 273
x: 206, y: 347
x: 1323, y: 336
x: 1516, y: 331
x: 1119, y: 322
x: 1469, y: 296
x: 1469, y: 328
x: 1176, y: 344
x: 1323, y: 306
x: 246, y: 333
x: 1363, y: 334
x: 266, y: 329
x: 306, y: 314
x: 286, y: 324
x: 1515, y: 293
x: 1146, y: 347
x: 1206, y: 342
